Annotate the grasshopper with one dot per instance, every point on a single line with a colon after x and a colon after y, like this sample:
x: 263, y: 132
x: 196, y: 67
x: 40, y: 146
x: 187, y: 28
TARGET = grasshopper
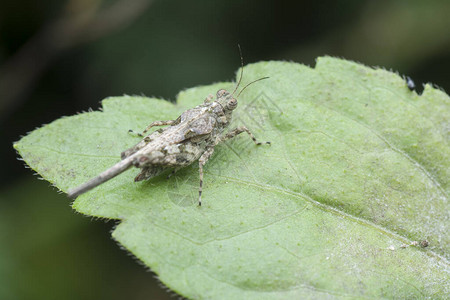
x: 190, y: 137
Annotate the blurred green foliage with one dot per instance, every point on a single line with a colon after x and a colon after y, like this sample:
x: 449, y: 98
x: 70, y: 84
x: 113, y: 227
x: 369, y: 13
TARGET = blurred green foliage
x: 171, y: 45
x: 49, y: 252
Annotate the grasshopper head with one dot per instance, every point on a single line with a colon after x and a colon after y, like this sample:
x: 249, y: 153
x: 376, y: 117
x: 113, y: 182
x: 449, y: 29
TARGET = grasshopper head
x: 226, y: 100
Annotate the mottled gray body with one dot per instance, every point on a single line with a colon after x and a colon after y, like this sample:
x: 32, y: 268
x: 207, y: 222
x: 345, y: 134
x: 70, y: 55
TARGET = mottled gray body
x: 190, y: 137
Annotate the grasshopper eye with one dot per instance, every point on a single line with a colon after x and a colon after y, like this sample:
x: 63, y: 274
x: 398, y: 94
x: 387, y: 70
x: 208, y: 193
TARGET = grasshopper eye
x: 221, y: 93
x: 232, y: 104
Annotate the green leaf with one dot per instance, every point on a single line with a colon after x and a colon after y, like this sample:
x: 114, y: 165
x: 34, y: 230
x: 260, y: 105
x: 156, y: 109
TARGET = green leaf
x: 359, y: 166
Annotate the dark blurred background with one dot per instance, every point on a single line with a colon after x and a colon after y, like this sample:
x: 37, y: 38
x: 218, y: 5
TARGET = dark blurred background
x: 61, y: 57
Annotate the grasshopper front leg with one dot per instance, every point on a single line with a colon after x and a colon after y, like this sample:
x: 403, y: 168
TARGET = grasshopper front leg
x: 240, y: 130
x: 160, y: 123
x: 208, y: 99
x: 155, y: 123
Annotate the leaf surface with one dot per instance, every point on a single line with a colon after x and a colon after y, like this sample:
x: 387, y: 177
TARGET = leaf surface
x: 359, y: 166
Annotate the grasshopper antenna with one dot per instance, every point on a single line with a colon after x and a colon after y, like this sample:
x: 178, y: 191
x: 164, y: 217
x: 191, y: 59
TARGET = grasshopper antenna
x: 242, y: 70
x: 250, y: 84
